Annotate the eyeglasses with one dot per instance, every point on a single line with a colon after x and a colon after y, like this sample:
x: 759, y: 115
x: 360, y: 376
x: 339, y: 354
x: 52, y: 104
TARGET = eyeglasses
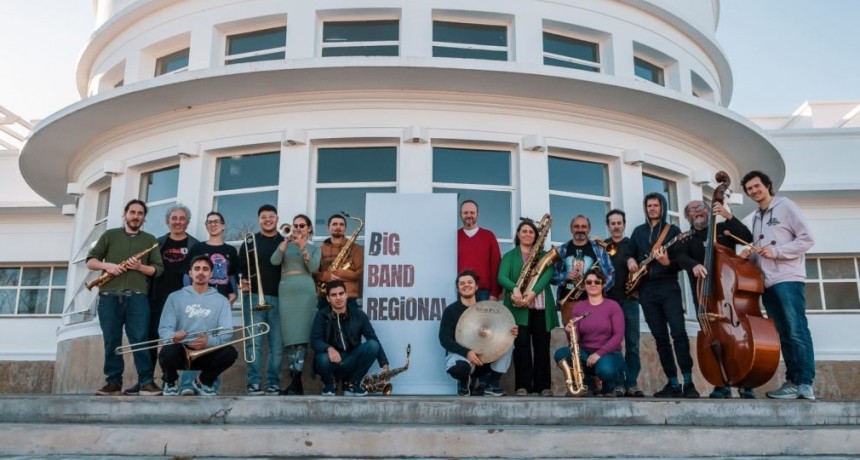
x: 300, y: 225
x: 214, y: 222
x: 593, y: 282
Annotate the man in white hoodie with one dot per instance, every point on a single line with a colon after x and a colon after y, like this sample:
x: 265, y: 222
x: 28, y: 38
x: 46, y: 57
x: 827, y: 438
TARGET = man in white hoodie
x: 188, y: 313
x: 782, y: 238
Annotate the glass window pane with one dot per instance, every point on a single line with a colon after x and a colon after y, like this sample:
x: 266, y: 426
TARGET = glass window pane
x: 812, y: 268
x: 36, y: 276
x: 563, y: 209
x: 155, y: 222
x: 841, y: 296
x: 240, y: 212
x: 388, y: 50
x: 8, y: 297
x: 463, y: 53
x: 476, y: 34
x: 357, y: 164
x: 9, y: 276
x: 648, y: 71
x: 103, y: 204
x: 57, y: 297
x: 813, y: 296
x: 361, y: 31
x: 837, y: 269
x: 159, y: 185
x: 569, y: 65
x: 33, y: 301
x: 651, y: 184
x: 494, y: 208
x: 60, y: 274
x: 352, y: 200
x: 577, y: 176
x: 257, y: 40
x: 257, y: 58
x: 248, y: 171
x: 171, y: 62
x: 468, y: 166
x: 570, y: 47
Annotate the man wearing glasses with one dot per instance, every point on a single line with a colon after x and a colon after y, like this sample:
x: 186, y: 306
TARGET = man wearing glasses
x: 224, y: 258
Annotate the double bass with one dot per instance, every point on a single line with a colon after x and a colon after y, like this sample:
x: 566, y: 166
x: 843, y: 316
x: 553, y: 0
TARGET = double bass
x: 736, y: 345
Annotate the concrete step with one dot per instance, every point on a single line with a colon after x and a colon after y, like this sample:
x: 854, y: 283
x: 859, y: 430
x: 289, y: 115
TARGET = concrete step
x: 423, y: 427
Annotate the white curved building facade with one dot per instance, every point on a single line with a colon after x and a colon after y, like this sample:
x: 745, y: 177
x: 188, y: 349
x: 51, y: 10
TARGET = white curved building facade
x: 527, y: 106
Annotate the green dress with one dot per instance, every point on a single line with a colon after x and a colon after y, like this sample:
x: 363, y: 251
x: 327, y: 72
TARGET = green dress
x: 509, y: 272
x: 297, y: 293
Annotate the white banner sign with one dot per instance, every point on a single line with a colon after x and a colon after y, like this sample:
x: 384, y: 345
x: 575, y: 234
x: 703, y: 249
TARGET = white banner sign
x: 410, y: 261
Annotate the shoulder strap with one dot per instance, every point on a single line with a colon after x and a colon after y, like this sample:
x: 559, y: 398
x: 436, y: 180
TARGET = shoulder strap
x: 663, y: 234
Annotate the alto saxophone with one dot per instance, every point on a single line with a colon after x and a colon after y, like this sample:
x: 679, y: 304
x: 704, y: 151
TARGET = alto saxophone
x: 343, y: 260
x: 381, y: 381
x: 574, y: 376
x: 533, y: 267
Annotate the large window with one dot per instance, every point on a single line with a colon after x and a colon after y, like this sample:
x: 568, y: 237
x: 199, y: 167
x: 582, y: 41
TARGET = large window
x: 577, y: 187
x: 26, y: 290
x: 173, y: 62
x: 668, y: 189
x: 345, y: 175
x: 832, y: 283
x: 260, y: 45
x: 102, y: 205
x: 648, y: 71
x: 243, y: 184
x: 470, y: 41
x: 480, y: 175
x: 158, y: 189
x: 563, y: 51
x: 361, y: 38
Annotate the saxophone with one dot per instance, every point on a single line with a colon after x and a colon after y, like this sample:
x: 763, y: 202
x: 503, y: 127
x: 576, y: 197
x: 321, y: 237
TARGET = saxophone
x: 574, y: 376
x: 343, y: 260
x: 533, y: 267
x: 381, y: 382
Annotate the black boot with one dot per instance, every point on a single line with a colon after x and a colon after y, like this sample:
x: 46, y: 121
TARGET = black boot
x: 295, y: 387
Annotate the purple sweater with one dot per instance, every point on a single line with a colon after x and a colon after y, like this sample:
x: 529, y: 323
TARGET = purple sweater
x: 603, y: 331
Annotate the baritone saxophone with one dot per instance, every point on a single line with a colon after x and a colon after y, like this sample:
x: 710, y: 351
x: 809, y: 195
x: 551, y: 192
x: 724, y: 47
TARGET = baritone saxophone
x: 574, y: 378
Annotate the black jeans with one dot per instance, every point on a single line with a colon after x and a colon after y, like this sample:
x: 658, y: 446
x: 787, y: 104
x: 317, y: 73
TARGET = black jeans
x: 173, y: 358
x: 664, y: 314
x: 531, y: 354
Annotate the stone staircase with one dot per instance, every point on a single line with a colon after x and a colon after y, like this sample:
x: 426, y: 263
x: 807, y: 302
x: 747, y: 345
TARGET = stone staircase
x: 423, y: 427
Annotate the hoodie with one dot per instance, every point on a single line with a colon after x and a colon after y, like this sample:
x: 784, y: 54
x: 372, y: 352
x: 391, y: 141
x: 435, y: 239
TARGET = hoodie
x: 643, y: 238
x: 783, y: 226
x: 187, y: 310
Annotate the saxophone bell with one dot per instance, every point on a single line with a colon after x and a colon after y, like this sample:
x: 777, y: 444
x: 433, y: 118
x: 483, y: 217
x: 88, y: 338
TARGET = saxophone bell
x: 573, y: 374
x: 381, y: 381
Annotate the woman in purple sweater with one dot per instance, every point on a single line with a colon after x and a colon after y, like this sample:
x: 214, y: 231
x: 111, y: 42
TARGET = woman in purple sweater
x: 600, y: 335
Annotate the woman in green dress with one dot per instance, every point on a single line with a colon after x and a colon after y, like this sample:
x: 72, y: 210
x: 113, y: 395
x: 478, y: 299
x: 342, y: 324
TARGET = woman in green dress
x: 297, y: 296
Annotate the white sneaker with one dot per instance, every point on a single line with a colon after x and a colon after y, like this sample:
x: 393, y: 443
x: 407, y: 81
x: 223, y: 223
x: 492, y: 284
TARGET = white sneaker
x: 804, y: 391
x: 788, y: 390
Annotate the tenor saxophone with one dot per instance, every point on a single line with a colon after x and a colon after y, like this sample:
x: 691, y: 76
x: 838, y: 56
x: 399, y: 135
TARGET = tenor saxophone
x: 533, y: 267
x: 343, y: 260
x: 574, y: 376
x: 381, y: 381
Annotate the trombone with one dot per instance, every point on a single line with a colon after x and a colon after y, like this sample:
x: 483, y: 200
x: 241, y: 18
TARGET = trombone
x: 247, y: 333
x: 250, y: 245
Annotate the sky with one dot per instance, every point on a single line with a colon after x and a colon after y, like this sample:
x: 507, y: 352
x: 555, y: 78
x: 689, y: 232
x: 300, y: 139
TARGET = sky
x: 782, y: 53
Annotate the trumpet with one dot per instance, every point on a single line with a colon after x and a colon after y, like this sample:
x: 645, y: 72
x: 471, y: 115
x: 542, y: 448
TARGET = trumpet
x: 286, y: 230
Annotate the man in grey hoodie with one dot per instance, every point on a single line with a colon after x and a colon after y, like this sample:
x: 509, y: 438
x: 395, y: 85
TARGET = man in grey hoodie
x: 782, y: 238
x: 188, y: 313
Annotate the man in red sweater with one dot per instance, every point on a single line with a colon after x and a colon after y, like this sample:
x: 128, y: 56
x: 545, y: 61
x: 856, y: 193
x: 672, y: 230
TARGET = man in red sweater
x: 478, y: 250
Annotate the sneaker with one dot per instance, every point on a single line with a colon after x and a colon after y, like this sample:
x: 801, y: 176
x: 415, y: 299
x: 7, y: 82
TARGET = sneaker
x: 522, y: 392
x: 132, y: 391
x: 477, y: 390
x: 619, y: 393
x: 150, y: 389
x: 111, y: 389
x: 170, y: 389
x: 670, y: 391
x: 273, y: 390
x: 690, y: 391
x: 187, y: 389
x: 204, y: 390
x: 804, y: 391
x: 721, y: 393
x: 634, y: 392
x: 493, y: 389
x: 463, y: 387
x: 747, y: 393
x: 354, y: 389
x: 546, y: 393
x: 788, y: 390
x: 254, y: 389
x: 610, y: 394
x: 329, y: 389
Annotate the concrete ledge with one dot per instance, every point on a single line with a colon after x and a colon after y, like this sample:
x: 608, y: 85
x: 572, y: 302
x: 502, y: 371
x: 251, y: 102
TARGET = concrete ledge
x: 422, y: 441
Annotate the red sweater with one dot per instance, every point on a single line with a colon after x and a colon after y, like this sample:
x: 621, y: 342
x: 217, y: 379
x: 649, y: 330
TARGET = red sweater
x: 481, y: 254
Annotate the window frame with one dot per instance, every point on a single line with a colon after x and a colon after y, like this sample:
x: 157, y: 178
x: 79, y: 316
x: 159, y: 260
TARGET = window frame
x: 472, y: 46
x: 216, y: 194
x: 50, y: 287
x: 598, y: 65
x: 161, y: 62
x: 261, y: 52
x: 323, y: 45
x: 585, y: 158
x: 820, y: 281
x: 647, y: 62
x: 144, y: 191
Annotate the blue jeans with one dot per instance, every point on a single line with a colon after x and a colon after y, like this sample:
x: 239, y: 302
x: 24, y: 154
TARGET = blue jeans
x: 664, y: 312
x: 607, y: 368
x: 786, y: 304
x: 632, y: 364
x: 131, y: 310
x: 353, y: 364
x: 273, y: 338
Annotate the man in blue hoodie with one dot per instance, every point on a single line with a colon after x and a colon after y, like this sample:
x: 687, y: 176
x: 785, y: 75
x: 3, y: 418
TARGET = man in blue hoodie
x: 660, y: 296
x: 188, y: 314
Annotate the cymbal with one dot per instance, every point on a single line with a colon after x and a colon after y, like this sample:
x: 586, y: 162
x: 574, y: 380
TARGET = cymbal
x: 486, y: 328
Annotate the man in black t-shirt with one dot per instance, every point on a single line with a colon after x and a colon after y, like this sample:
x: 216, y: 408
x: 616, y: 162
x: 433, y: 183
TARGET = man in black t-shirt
x: 224, y: 258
